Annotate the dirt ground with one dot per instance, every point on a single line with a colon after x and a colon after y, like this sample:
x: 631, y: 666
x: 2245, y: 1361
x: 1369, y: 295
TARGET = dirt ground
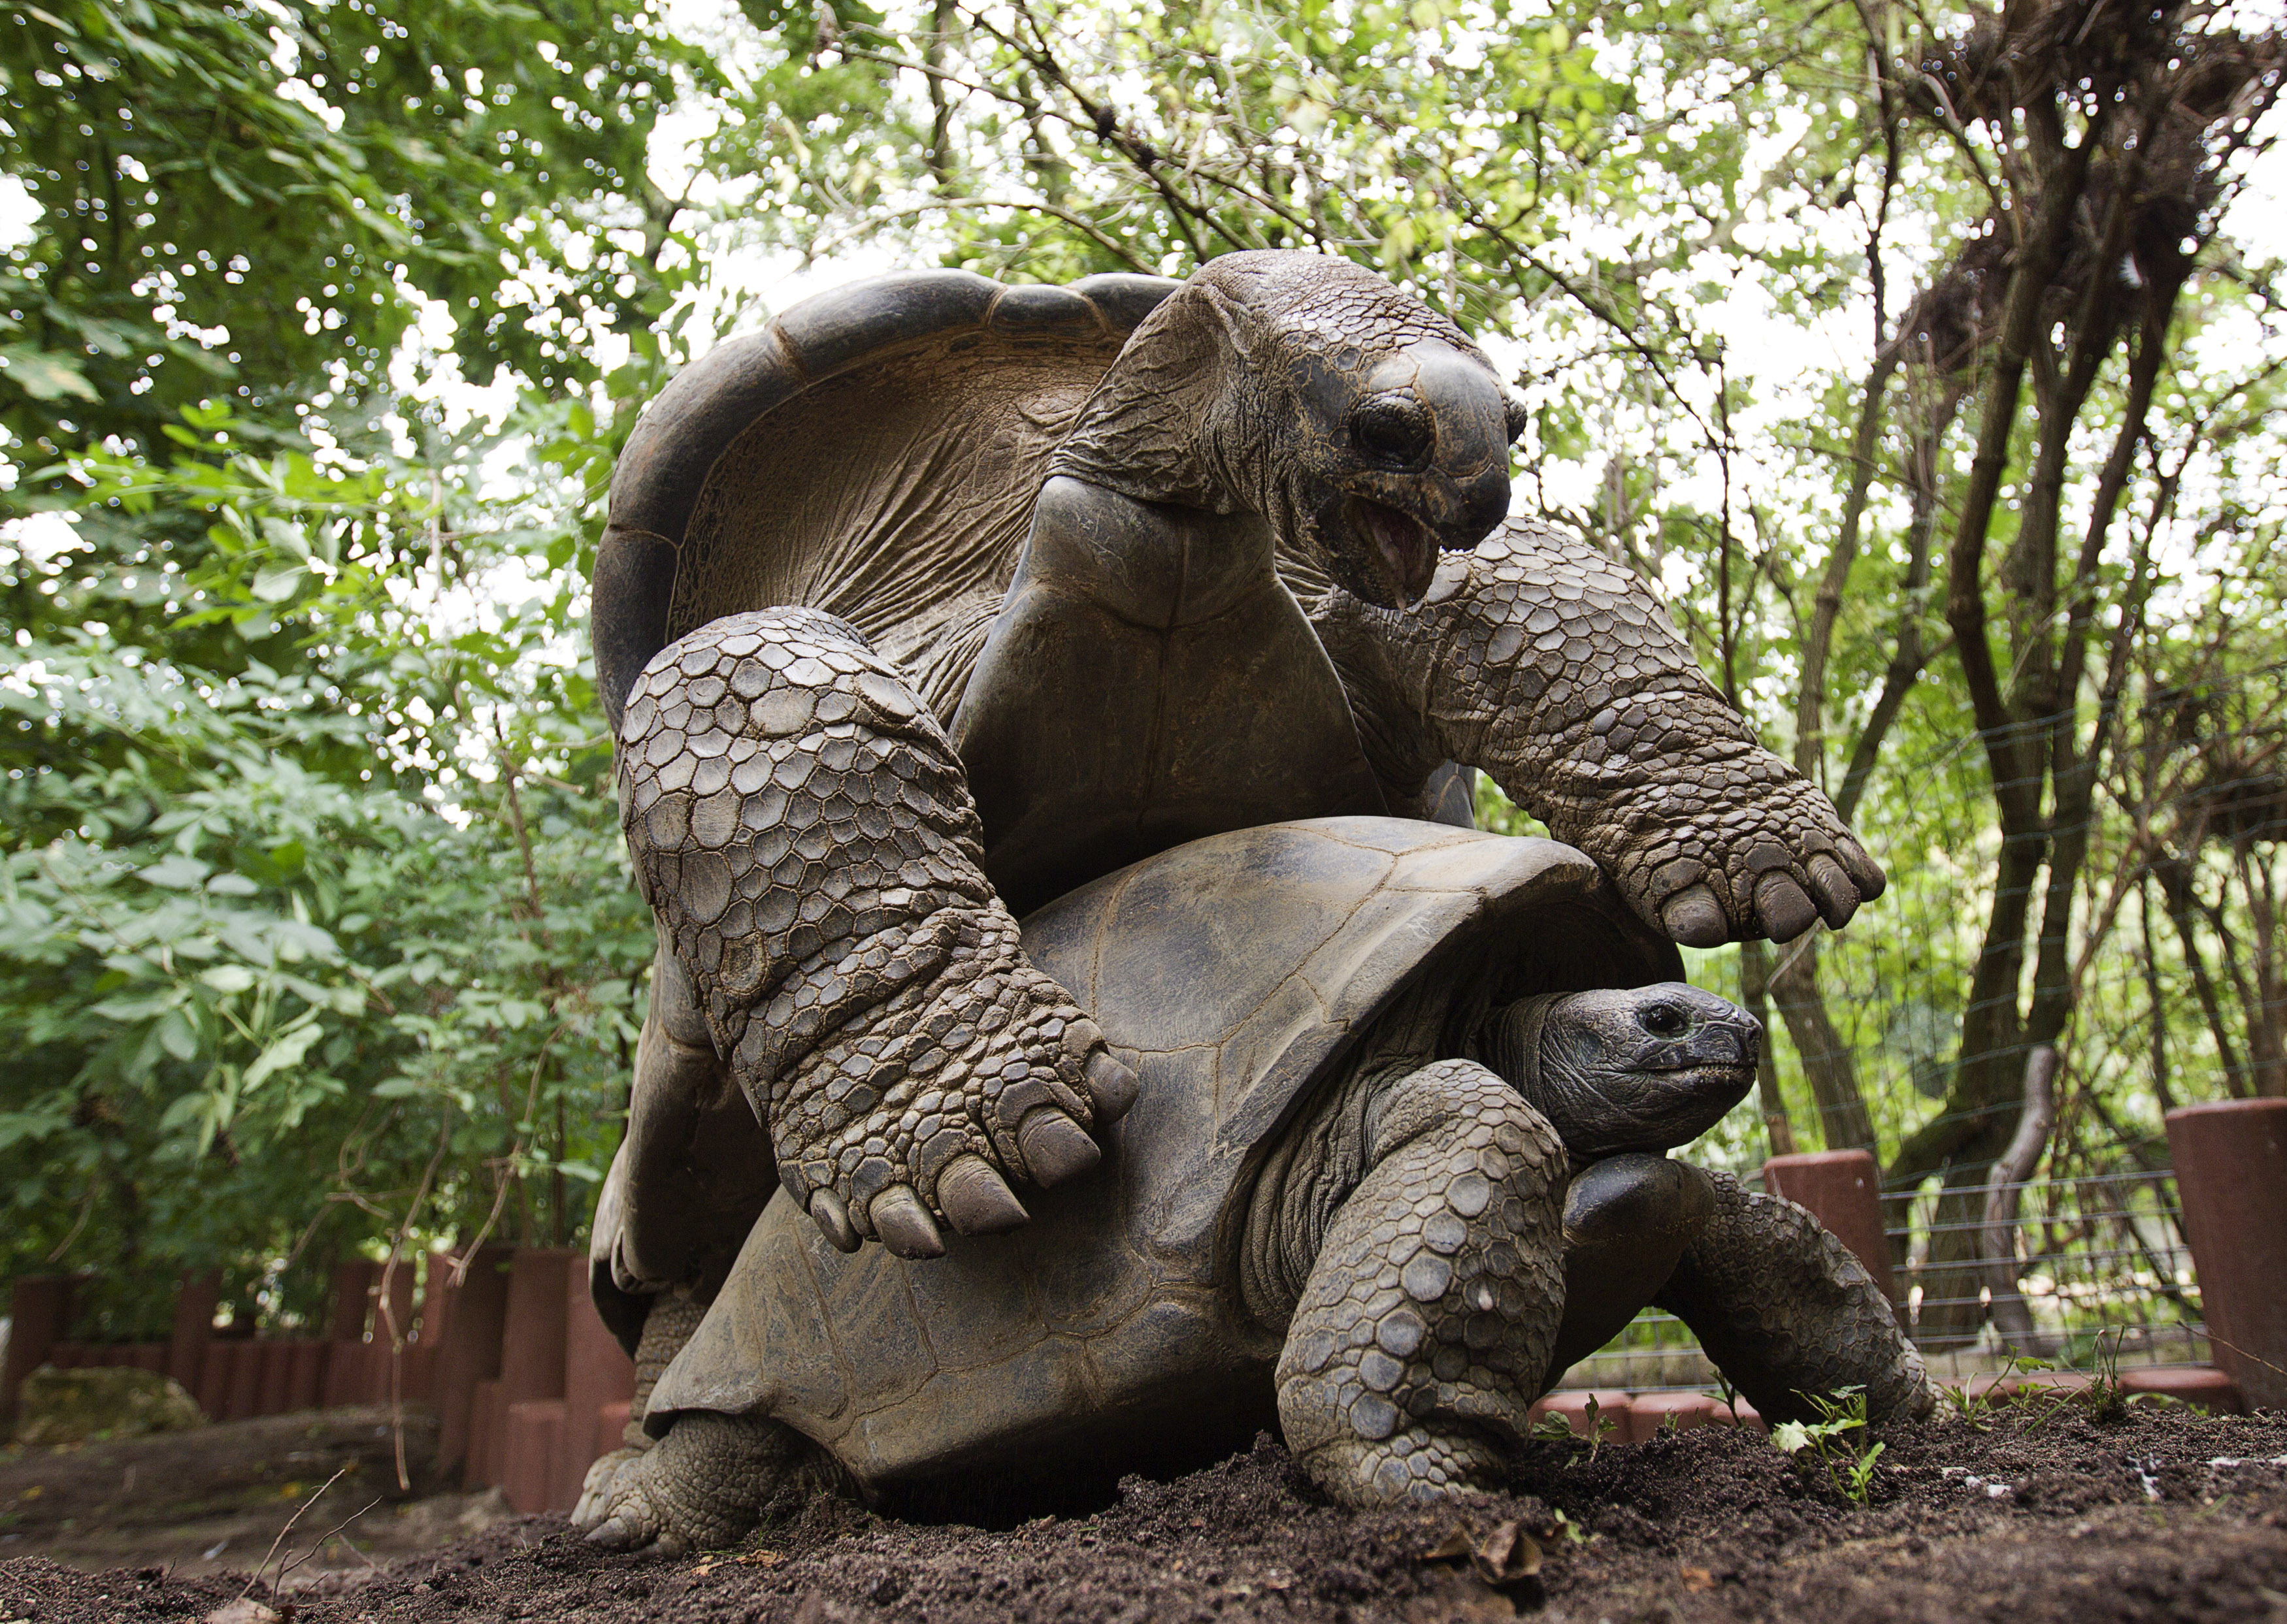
x: 2162, y: 1515
x: 213, y: 1500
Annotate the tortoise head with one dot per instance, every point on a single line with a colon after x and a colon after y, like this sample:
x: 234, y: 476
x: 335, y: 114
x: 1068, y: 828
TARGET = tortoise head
x: 1645, y: 1068
x: 1402, y: 454
x: 1366, y: 429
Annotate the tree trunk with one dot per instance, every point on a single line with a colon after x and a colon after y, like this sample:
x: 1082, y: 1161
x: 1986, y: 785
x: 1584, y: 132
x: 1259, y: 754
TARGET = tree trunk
x: 1843, y: 1121
x: 1754, y: 990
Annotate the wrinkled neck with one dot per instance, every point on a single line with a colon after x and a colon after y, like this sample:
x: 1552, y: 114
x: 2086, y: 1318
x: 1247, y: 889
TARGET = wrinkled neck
x: 1179, y: 418
x: 1509, y: 1043
x: 1315, y: 1165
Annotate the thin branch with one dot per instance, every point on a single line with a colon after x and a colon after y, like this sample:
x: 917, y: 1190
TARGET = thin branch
x: 255, y: 1578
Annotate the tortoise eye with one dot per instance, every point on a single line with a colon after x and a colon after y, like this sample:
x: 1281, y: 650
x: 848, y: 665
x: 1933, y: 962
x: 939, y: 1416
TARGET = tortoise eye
x: 1663, y: 1020
x: 1394, y: 430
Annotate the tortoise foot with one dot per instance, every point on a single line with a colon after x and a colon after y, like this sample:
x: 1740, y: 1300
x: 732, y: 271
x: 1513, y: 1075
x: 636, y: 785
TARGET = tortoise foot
x: 804, y: 834
x: 1744, y: 853
x: 600, y: 1486
x: 993, y: 1075
x: 702, y: 1486
x: 1413, y: 1466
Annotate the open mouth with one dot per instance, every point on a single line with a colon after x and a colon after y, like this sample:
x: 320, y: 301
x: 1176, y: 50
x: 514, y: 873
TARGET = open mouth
x: 1712, y: 1049
x: 1711, y: 1077
x: 1406, y: 545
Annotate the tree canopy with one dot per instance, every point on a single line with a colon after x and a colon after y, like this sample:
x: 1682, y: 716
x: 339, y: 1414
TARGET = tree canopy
x: 1925, y: 359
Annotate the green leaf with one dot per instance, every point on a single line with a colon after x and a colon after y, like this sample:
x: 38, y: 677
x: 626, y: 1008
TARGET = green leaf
x: 178, y: 1037
x: 276, y: 586
x: 288, y: 1049
x: 228, y: 978
x: 178, y: 873
x: 45, y: 375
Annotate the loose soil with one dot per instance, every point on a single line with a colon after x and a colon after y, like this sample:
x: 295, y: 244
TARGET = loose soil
x: 2162, y: 1515
x: 213, y: 1499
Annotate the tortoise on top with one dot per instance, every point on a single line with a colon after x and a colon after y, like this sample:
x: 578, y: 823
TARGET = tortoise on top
x: 1394, y: 1168
x: 938, y: 598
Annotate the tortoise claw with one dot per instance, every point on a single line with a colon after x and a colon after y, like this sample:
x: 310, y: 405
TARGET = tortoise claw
x: 1832, y: 888
x: 975, y: 1200
x: 1866, y: 874
x: 1111, y: 1088
x: 827, y: 1212
x: 905, y: 1225
x: 1056, y: 1148
x: 1783, y: 908
x: 1693, y: 917
x: 615, y: 1533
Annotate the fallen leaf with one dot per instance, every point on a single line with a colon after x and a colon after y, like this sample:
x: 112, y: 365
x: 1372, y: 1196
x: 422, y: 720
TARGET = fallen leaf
x: 245, y: 1610
x: 1698, y: 1579
x: 1504, y: 1555
x: 1457, y: 1541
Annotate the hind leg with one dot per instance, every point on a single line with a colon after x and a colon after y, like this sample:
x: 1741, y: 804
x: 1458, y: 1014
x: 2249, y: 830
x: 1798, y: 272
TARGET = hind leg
x: 702, y: 1486
x: 804, y: 831
x: 673, y: 1317
x: 1430, y: 1314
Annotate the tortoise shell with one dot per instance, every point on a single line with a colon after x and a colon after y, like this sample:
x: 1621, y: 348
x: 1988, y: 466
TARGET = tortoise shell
x: 874, y: 451
x: 1234, y: 974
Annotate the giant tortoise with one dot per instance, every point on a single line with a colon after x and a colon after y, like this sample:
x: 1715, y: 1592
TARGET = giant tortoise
x: 1394, y: 1167
x: 939, y: 598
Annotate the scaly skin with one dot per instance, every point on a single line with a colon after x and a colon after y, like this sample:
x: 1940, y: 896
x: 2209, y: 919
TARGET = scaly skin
x: 1785, y: 1310
x: 1555, y: 670
x: 694, y: 1169
x: 806, y: 838
x: 704, y: 1485
x: 673, y: 1316
x: 1427, y: 1318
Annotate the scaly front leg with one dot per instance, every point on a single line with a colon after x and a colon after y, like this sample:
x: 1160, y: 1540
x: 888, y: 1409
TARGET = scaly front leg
x: 1424, y: 1328
x: 1537, y: 661
x: 804, y: 835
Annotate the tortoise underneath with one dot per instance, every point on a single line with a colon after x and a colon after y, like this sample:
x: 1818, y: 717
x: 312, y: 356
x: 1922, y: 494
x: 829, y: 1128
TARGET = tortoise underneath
x: 1395, y: 1166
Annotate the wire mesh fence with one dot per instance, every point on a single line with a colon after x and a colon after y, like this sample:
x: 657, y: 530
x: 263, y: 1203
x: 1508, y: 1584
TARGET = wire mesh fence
x: 2102, y: 1269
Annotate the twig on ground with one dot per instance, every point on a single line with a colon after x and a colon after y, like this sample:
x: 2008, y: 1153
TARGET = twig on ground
x: 319, y: 1544
x: 256, y: 1578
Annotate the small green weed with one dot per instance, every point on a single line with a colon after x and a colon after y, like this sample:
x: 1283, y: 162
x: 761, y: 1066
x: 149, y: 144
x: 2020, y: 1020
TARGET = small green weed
x: 1838, y: 1439
x: 1976, y: 1409
x: 1554, y: 1429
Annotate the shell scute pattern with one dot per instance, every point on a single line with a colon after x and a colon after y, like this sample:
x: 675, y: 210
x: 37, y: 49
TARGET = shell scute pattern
x: 905, y: 326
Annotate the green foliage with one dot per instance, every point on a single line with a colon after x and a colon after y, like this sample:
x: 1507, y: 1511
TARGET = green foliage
x: 1837, y: 1440
x: 1555, y: 1429
x: 284, y: 910
x: 317, y: 928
